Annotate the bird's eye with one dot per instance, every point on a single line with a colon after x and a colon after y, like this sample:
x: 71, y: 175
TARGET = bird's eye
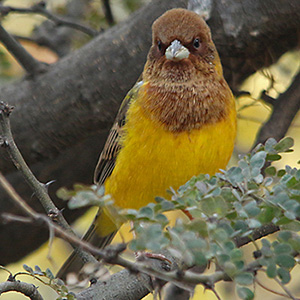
x: 196, y: 43
x: 159, y: 46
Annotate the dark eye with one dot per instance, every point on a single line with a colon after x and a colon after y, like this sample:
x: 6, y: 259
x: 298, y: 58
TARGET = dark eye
x: 196, y: 43
x: 159, y: 46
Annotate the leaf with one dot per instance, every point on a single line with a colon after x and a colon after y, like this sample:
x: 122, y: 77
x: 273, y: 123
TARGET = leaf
x: 252, y: 209
x: 285, y: 235
x: 235, y: 175
x: 38, y: 271
x: 245, y: 293
x: 284, y: 275
x: 199, y: 258
x: 271, y: 270
x: 49, y: 274
x: 258, y: 160
x: 244, y: 278
x: 28, y: 269
x: 145, y: 212
x: 281, y: 173
x: 270, y: 171
x: 284, y: 144
x: 273, y: 157
x: 286, y: 261
x: 282, y: 248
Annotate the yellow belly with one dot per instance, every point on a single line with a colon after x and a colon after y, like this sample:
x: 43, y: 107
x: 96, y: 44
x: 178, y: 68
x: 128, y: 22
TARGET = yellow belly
x: 153, y: 159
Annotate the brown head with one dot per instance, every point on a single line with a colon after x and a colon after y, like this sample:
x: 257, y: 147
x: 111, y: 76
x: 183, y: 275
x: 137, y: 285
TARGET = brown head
x: 181, y: 47
x: 186, y: 88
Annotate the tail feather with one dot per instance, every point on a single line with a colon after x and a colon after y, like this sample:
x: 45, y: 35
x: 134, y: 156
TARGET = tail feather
x: 74, y: 263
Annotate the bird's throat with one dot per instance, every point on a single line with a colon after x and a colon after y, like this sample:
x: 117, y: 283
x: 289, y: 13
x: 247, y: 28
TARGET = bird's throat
x: 187, y: 106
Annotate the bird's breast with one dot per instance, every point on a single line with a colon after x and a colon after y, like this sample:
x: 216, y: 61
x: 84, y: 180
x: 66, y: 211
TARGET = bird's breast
x: 153, y: 158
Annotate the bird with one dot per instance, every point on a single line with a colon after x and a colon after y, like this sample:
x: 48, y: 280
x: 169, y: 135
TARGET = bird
x: 178, y: 120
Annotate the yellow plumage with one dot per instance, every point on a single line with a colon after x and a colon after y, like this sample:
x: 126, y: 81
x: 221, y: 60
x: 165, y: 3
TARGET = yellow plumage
x: 152, y: 158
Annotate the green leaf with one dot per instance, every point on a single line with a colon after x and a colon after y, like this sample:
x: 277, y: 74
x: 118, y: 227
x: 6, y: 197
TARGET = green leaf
x: 166, y: 205
x: 146, y: 212
x: 252, y: 209
x: 271, y: 270
x: 244, y: 278
x: 236, y: 254
x: 273, y: 157
x: 281, y: 173
x: 282, y: 248
x: 284, y: 145
x: 245, y: 293
x: 285, y: 261
x: 267, y: 215
x: 285, y: 235
x: 270, y: 171
x: 199, y: 258
x: 235, y: 175
x: 284, y: 275
x: 258, y: 160
x: 198, y: 226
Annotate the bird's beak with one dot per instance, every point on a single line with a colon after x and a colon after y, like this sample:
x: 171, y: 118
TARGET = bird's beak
x: 176, y: 51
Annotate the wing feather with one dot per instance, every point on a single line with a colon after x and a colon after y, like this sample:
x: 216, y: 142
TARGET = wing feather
x: 112, y: 146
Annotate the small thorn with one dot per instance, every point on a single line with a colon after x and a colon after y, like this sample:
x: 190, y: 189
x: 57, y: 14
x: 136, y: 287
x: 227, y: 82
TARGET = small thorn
x: 53, y: 214
x: 3, y: 142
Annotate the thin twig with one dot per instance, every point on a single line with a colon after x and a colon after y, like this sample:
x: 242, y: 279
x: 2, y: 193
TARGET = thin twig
x: 38, y: 188
x: 108, y: 13
x: 285, y: 289
x: 285, y: 108
x: 40, y: 9
x: 270, y: 290
x: 28, y: 62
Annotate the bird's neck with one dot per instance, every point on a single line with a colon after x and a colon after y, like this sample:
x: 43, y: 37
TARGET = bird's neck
x: 187, y: 106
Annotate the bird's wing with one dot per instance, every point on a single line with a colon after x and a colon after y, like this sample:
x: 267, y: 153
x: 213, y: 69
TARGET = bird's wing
x: 112, y: 146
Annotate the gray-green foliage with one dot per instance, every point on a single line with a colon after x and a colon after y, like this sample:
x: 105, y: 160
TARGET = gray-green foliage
x: 231, y: 205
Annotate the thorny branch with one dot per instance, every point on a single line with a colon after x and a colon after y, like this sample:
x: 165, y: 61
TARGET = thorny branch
x: 37, y: 187
x: 39, y: 8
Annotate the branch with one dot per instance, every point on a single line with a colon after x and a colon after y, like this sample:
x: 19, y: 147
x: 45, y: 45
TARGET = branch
x: 40, y: 190
x: 26, y: 289
x: 285, y: 108
x: 39, y: 8
x: 108, y: 13
x: 28, y: 62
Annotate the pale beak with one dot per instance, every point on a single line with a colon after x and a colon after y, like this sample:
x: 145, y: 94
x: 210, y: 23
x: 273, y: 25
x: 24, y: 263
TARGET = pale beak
x: 176, y: 51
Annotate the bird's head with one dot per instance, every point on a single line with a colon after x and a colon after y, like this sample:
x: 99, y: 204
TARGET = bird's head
x: 182, y: 48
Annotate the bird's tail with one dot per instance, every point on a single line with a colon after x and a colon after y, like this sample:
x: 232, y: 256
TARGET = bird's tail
x: 74, y: 263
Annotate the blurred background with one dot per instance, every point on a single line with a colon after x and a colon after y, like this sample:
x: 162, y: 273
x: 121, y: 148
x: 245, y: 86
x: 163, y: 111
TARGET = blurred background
x: 252, y: 113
